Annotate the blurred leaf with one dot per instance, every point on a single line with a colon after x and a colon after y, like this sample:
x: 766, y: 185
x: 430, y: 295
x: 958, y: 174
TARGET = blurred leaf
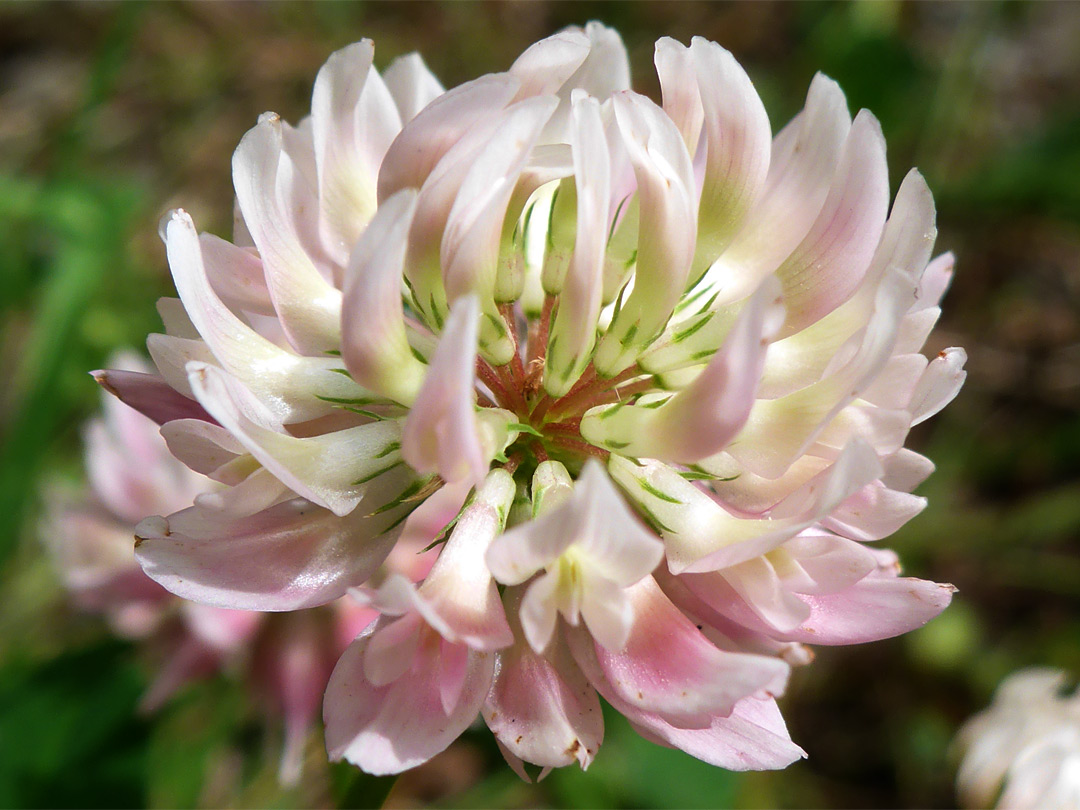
x: 352, y: 788
x: 192, y: 737
x: 68, y: 732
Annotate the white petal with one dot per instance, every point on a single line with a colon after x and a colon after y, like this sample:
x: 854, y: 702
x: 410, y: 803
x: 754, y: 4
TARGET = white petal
x: 354, y: 119
x: 331, y: 469
x: 539, y: 611
x: 308, y: 306
x: 828, y: 265
x: 668, y: 205
x: 573, y: 331
x: 469, y: 251
x: 290, y: 386
x: 679, y: 86
x: 617, y: 543
x: 441, y: 433
x: 737, y: 148
x: 375, y: 346
x: 700, y: 420
x: 411, y: 84
x: 804, y: 158
x: 939, y: 384
x: 545, y: 66
x: 700, y: 535
x: 435, y: 129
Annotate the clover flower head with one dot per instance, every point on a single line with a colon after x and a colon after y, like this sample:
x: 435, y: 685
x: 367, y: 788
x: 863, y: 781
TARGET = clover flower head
x: 1023, y: 751
x: 642, y: 373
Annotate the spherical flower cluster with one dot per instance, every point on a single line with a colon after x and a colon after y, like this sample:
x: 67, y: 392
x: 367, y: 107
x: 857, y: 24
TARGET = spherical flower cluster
x: 1023, y: 752
x: 641, y: 372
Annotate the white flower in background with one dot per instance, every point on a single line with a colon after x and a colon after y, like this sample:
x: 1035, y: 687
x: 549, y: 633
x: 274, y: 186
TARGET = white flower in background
x: 1023, y: 752
x: 643, y: 372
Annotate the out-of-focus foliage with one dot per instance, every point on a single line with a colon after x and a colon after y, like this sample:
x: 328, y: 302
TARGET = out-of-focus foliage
x: 112, y: 113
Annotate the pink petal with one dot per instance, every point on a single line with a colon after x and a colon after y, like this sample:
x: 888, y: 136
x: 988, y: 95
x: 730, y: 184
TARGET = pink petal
x: 435, y: 129
x: 668, y: 667
x: 150, y: 395
x: 291, y: 556
x: 220, y: 629
x: 391, y: 649
x: 542, y: 709
x: 871, y: 610
x: 828, y: 563
x: 236, y: 275
x: 189, y: 661
x: 203, y: 446
x: 460, y: 587
x: 752, y: 737
x: 874, y: 513
x: 131, y: 472
x: 905, y: 470
x: 453, y: 669
x: 392, y: 728
x: 259, y: 491
x: 292, y: 663
x: 830, y: 262
x: 431, y: 517
x: 752, y: 594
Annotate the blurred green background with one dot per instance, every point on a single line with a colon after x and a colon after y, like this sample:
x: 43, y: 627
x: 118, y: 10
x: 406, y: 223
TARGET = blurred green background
x: 110, y: 114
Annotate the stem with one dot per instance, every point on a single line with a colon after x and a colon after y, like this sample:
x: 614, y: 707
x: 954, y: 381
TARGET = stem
x: 536, y: 345
x: 585, y: 396
x: 487, y: 374
x: 578, y: 446
x: 571, y: 428
x: 515, y: 401
x: 513, y: 462
x: 541, y: 408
